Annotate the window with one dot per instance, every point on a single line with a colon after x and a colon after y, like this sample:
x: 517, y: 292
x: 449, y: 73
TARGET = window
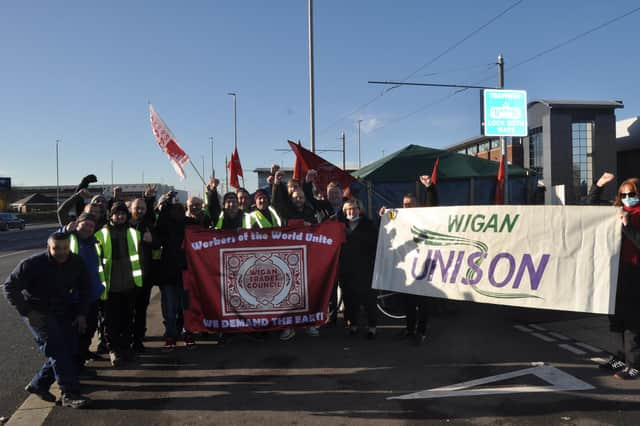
x: 582, y: 160
x: 535, y: 151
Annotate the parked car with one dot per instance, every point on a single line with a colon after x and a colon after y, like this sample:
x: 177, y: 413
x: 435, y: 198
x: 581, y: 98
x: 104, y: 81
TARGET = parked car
x: 8, y: 221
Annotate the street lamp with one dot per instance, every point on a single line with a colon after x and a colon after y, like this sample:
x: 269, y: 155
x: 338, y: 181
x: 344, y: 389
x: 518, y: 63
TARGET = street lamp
x: 213, y: 171
x: 57, y: 177
x: 235, y: 120
x: 359, y: 150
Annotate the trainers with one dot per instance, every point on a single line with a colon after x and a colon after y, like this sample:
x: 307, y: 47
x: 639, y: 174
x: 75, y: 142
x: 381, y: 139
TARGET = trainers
x: 170, y: 344
x: 74, y: 401
x: 614, y: 364
x: 627, y: 374
x: 189, y: 341
x: 313, y: 331
x: 44, y: 395
x: 287, y: 334
x: 371, y: 334
x: 115, y: 359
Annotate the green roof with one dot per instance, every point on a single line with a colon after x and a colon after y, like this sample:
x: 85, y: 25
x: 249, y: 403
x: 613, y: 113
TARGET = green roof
x: 415, y: 160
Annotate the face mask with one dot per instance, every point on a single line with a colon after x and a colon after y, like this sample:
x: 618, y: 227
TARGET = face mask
x: 630, y: 201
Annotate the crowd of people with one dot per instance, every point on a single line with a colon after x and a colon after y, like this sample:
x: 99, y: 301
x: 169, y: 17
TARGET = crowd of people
x: 100, y: 266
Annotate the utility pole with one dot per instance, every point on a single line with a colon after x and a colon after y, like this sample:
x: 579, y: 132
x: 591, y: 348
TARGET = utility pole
x: 226, y: 174
x: 57, y: 177
x: 312, y: 115
x: 112, y: 176
x: 213, y: 171
x: 503, y: 141
x: 359, y: 150
x: 344, y: 154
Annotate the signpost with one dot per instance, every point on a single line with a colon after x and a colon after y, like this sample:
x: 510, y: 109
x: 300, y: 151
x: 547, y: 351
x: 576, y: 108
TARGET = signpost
x: 504, y: 112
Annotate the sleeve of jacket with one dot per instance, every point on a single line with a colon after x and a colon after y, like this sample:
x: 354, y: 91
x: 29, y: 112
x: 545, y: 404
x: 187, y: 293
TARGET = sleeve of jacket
x: 213, y: 205
x: 63, y: 211
x: 84, y: 287
x: 595, y: 195
x: 14, y: 286
x: 431, y: 196
x: 632, y: 234
x: 280, y: 200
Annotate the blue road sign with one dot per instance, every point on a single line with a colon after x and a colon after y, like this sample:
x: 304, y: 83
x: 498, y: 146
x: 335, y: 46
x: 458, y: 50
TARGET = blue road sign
x: 504, y: 112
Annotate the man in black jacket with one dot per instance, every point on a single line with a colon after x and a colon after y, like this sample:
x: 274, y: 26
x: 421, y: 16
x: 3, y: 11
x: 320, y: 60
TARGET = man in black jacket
x: 51, y: 291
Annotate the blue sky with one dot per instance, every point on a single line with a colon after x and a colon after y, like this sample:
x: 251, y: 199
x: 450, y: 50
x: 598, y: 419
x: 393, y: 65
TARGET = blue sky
x: 83, y: 72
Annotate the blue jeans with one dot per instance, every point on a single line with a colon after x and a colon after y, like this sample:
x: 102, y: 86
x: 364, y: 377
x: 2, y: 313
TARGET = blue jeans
x: 57, y: 339
x: 171, y: 301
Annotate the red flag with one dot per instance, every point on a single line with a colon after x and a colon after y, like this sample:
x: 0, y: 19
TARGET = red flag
x: 434, y: 172
x: 327, y: 172
x: 500, y: 183
x: 235, y: 169
x: 299, y: 171
x: 167, y: 143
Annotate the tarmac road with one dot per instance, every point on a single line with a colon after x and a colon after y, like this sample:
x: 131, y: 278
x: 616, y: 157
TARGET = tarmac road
x: 20, y: 357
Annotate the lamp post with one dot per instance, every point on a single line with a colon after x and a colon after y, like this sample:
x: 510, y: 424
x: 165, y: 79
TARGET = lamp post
x: 57, y: 177
x: 235, y: 120
x: 359, y: 150
x: 213, y: 170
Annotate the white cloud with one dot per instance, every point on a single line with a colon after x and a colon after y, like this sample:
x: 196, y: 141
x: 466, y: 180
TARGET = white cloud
x: 368, y: 125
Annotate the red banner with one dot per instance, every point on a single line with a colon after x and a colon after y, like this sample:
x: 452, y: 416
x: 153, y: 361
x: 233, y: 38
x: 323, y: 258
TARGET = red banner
x: 256, y: 280
x: 167, y: 143
x: 327, y: 172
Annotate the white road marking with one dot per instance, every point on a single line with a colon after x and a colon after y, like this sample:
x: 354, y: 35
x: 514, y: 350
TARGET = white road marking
x: 588, y: 347
x: 572, y: 349
x: 558, y: 380
x: 33, y: 410
x: 523, y: 328
x: 543, y: 337
x: 14, y: 253
x: 559, y: 336
x: 537, y: 327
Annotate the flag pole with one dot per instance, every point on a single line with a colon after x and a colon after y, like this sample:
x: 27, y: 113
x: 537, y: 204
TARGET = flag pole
x: 198, y: 172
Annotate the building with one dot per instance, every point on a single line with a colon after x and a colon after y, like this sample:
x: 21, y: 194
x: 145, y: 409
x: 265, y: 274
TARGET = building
x: 628, y: 148
x: 569, y: 145
x: 20, y: 197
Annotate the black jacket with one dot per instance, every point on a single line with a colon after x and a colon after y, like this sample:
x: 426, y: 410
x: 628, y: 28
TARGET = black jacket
x: 40, y: 284
x: 358, y: 255
x: 283, y: 204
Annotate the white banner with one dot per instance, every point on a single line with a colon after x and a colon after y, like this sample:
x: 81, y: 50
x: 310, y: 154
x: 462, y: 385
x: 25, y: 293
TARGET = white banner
x: 548, y: 257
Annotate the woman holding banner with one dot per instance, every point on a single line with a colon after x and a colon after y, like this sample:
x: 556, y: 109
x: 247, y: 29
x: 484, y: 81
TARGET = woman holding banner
x: 626, y: 320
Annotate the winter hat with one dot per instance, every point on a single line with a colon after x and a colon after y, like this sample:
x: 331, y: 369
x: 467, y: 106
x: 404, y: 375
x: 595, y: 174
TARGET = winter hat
x: 229, y: 195
x: 86, y: 216
x: 260, y: 191
x: 118, y: 208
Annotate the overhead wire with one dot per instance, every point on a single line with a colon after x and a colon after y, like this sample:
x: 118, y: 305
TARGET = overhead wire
x: 525, y: 61
x: 431, y: 61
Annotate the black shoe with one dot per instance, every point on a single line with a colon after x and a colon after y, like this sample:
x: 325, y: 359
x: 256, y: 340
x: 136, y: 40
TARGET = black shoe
x: 371, y: 334
x: 74, y: 401
x: 102, y: 349
x: 627, y: 374
x: 614, y: 364
x: 44, y: 395
x: 138, y: 347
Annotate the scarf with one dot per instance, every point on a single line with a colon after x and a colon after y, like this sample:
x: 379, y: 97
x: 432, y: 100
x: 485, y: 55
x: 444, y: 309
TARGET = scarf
x: 631, y: 253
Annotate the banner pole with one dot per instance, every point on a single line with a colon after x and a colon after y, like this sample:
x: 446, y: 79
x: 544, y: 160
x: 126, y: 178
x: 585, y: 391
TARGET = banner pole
x: 198, y: 172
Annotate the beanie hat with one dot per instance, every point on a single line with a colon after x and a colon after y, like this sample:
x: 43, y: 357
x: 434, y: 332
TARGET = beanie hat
x: 86, y: 216
x: 229, y: 195
x: 119, y: 207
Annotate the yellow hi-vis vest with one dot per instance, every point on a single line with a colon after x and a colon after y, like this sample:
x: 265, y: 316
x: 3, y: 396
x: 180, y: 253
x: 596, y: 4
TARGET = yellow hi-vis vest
x: 219, y: 222
x: 256, y: 217
x: 75, y: 248
x: 133, y: 245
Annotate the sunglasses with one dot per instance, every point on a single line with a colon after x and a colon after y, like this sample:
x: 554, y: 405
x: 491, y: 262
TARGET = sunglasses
x: 627, y: 194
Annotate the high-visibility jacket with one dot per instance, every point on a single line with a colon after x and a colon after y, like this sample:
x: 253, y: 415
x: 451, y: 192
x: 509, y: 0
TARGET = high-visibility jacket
x: 75, y: 248
x: 256, y: 217
x: 133, y: 245
x: 220, y: 220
